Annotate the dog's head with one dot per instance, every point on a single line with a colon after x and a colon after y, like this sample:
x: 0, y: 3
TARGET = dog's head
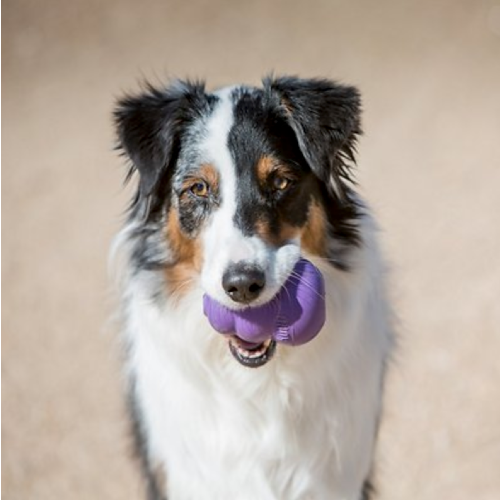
x: 235, y: 185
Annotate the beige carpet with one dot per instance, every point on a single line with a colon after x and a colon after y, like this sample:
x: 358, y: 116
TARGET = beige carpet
x: 429, y: 163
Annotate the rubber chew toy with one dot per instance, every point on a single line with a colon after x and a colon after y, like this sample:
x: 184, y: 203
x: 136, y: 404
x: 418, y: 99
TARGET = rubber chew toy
x: 295, y: 316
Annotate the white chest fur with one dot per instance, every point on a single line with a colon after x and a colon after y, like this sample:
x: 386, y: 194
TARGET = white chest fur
x: 301, y: 427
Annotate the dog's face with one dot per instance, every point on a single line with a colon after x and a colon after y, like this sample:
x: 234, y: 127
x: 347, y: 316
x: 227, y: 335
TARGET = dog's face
x: 236, y: 184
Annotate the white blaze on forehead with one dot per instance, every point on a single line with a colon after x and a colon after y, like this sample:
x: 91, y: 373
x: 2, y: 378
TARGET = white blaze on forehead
x: 221, y: 232
x: 223, y: 241
x: 216, y: 148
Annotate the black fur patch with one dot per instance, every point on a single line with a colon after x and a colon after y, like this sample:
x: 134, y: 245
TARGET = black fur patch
x: 150, y: 128
x: 311, y: 126
x: 326, y: 119
x: 259, y: 131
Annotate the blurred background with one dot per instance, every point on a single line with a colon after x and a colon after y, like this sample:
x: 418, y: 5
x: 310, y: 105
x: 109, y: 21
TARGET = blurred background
x: 429, y: 162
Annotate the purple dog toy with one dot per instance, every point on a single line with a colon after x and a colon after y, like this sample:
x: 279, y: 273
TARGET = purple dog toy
x: 295, y: 316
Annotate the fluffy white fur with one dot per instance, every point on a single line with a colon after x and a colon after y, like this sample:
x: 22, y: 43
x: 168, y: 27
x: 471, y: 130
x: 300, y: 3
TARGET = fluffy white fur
x: 301, y: 427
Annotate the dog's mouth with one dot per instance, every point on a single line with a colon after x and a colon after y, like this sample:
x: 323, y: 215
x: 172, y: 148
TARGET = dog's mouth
x: 249, y: 354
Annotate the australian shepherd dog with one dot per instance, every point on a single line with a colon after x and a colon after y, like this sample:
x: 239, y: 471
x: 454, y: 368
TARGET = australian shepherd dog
x: 234, y: 187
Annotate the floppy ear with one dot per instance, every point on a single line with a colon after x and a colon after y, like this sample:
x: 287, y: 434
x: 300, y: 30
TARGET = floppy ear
x: 150, y: 125
x: 325, y: 117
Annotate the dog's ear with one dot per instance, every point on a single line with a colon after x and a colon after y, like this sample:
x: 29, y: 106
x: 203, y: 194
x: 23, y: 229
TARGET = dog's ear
x: 325, y: 117
x: 150, y: 125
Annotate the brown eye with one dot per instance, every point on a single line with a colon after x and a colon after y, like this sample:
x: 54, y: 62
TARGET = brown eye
x: 281, y: 183
x: 200, y: 188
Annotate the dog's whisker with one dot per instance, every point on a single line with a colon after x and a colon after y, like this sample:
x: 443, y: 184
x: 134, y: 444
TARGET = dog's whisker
x: 299, y: 279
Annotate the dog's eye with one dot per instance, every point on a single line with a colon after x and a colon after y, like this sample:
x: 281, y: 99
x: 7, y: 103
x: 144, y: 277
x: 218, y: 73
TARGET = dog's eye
x: 281, y: 183
x: 200, y: 188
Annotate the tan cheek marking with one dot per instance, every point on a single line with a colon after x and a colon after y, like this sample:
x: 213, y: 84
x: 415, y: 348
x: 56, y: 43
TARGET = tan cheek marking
x: 188, y: 258
x: 285, y: 234
x: 314, y: 233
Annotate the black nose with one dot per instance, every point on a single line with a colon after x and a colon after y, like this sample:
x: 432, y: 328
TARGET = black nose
x: 243, y: 282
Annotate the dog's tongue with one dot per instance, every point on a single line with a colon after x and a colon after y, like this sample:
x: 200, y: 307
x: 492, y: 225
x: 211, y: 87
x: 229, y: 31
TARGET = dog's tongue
x: 295, y: 316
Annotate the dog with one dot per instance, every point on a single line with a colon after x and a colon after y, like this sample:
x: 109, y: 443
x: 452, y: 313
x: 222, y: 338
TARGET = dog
x: 234, y: 187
